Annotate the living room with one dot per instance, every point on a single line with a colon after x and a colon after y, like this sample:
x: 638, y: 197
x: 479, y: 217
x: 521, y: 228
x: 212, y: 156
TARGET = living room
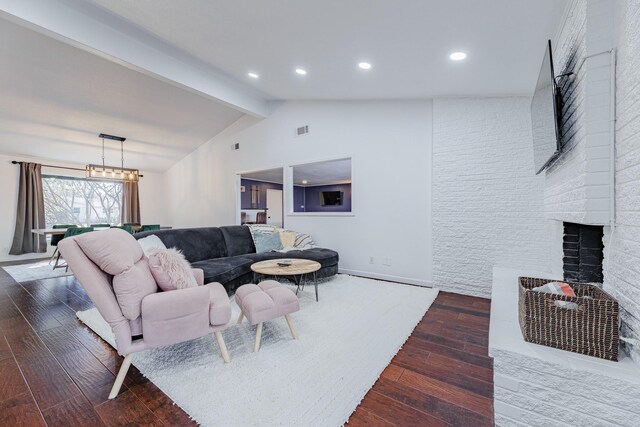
x: 401, y: 287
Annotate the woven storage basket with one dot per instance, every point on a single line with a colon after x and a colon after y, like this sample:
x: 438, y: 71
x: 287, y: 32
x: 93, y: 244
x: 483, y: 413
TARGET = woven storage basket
x: 592, y: 329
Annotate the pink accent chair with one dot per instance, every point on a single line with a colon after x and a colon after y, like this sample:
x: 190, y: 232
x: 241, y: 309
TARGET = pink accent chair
x: 113, y: 270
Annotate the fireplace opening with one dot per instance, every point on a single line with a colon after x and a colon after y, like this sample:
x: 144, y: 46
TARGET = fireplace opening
x: 583, y: 252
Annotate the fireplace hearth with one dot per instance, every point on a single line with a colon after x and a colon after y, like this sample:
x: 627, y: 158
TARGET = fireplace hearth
x: 583, y: 253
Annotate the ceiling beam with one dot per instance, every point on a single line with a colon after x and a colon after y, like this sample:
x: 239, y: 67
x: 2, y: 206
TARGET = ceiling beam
x: 93, y: 29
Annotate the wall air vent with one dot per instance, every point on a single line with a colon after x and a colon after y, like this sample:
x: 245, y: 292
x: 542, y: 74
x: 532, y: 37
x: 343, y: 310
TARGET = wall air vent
x: 302, y: 130
x: 235, y: 146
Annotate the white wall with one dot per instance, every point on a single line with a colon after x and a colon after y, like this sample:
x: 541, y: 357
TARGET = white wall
x: 152, y: 199
x: 390, y: 143
x: 622, y: 247
x: 488, y: 207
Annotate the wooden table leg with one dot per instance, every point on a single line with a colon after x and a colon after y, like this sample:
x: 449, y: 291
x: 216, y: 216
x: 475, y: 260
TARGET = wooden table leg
x: 256, y: 346
x: 291, y: 328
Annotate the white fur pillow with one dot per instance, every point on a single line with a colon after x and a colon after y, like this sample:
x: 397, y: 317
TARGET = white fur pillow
x: 171, y: 270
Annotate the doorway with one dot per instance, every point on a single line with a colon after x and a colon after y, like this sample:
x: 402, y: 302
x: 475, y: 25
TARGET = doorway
x: 260, y: 197
x: 274, y: 207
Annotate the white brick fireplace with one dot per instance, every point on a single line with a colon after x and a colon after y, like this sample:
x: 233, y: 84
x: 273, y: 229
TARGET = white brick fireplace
x: 595, y: 181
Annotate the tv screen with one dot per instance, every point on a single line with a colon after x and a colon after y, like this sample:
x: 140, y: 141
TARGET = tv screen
x: 544, y: 115
x: 331, y: 198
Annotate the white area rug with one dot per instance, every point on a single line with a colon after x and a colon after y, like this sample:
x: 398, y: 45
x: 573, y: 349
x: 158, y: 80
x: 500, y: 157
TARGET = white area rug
x: 35, y: 271
x: 345, y: 342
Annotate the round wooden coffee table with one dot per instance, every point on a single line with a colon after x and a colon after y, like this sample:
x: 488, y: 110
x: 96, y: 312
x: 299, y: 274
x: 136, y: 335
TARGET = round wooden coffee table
x: 298, y: 270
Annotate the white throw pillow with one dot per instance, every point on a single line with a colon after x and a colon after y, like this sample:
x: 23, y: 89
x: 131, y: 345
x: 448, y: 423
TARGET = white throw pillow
x: 151, y: 242
x: 304, y: 241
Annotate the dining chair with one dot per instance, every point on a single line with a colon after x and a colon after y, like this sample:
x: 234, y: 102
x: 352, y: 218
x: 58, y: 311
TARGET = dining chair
x: 55, y: 239
x: 149, y: 227
x: 71, y: 231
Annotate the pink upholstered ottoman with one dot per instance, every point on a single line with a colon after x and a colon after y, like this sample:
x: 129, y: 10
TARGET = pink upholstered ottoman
x: 266, y: 301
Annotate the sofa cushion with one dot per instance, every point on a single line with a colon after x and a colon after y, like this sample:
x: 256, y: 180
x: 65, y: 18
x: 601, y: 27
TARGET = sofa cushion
x: 196, y: 244
x: 131, y: 286
x: 326, y: 257
x: 117, y: 253
x: 113, y: 250
x: 238, y: 240
x: 224, y: 270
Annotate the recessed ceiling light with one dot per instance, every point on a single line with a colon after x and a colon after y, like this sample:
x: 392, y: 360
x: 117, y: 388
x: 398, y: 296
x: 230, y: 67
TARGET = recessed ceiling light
x: 364, y: 65
x: 301, y: 71
x: 253, y: 75
x: 304, y: 181
x: 457, y: 56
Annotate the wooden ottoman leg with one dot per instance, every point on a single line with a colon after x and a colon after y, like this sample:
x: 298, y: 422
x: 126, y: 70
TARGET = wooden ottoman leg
x: 256, y: 346
x: 293, y: 330
x: 223, y: 347
x: 240, y: 317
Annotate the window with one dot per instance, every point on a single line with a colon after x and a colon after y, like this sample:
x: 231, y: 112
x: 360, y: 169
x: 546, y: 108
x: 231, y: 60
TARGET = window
x: 322, y: 187
x: 81, y: 201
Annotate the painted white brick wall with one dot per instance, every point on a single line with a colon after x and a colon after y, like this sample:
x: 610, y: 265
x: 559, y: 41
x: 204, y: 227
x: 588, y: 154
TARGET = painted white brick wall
x: 487, y: 202
x: 578, y: 184
x: 622, y: 246
x: 535, y: 392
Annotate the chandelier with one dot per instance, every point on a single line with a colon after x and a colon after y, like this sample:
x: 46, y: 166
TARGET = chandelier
x: 112, y: 172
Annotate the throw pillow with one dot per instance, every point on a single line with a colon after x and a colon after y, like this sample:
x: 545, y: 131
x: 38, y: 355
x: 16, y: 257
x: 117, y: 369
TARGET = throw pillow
x: 151, y: 242
x: 304, y: 241
x: 267, y: 242
x: 287, y: 238
x: 261, y: 228
x: 171, y: 270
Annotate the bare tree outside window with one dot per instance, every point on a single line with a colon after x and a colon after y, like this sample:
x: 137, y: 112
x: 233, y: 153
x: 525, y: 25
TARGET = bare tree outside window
x: 81, y: 201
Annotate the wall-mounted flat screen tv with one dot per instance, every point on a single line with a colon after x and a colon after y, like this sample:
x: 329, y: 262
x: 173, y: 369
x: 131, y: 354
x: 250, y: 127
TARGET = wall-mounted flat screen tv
x: 545, y: 107
x: 331, y: 198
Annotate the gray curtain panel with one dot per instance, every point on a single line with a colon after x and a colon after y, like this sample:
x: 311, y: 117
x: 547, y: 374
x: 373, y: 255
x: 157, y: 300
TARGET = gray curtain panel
x: 29, y: 212
x: 130, y: 203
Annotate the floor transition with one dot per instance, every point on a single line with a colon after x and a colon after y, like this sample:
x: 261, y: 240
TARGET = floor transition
x: 56, y: 372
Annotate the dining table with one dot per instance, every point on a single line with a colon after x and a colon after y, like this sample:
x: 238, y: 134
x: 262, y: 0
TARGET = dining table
x: 62, y: 231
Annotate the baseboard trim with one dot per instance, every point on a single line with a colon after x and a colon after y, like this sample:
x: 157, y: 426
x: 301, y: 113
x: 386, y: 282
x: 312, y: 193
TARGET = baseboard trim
x: 388, y: 277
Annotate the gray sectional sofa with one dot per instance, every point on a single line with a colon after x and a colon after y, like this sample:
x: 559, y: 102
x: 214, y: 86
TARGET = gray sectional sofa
x: 225, y: 254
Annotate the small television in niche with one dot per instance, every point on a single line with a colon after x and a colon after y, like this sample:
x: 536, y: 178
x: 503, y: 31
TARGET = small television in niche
x: 545, y: 117
x: 331, y: 198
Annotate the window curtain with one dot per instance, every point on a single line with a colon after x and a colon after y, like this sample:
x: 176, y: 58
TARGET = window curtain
x: 29, y: 211
x: 130, y: 212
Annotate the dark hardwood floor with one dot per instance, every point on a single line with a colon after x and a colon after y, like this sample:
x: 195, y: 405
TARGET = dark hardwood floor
x: 54, y: 371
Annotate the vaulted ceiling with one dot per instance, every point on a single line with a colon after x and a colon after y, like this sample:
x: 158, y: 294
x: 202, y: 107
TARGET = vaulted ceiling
x: 407, y: 43
x: 55, y: 99
x: 170, y: 75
